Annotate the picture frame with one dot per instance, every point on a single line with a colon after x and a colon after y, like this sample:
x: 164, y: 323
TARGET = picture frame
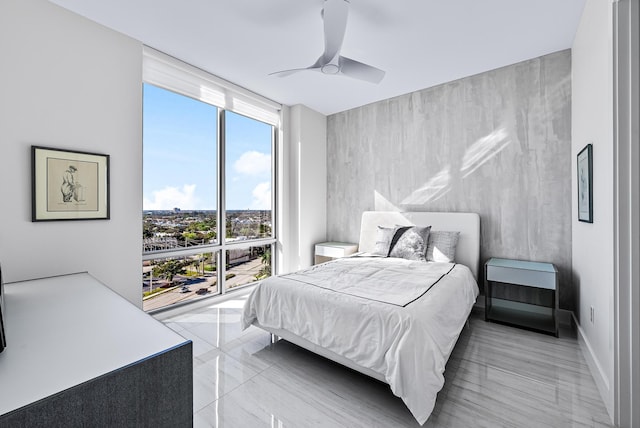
x: 69, y: 185
x: 585, y: 184
x: 3, y: 338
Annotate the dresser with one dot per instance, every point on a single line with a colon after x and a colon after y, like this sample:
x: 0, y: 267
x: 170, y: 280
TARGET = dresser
x: 78, y: 354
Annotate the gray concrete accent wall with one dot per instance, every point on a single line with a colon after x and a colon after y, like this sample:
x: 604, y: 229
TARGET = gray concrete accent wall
x: 497, y: 143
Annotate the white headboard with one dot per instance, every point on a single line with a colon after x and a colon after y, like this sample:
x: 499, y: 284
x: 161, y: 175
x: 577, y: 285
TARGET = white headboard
x: 468, y: 224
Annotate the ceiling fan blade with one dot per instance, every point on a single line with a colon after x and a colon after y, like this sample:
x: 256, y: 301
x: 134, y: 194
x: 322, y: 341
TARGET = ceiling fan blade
x: 285, y: 73
x: 358, y: 70
x: 334, y: 14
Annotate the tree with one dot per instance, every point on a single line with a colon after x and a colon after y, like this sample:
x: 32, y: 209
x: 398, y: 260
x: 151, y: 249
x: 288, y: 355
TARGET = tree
x: 265, y: 271
x: 169, y: 269
x: 190, y: 235
x: 264, y: 229
x: 148, y: 230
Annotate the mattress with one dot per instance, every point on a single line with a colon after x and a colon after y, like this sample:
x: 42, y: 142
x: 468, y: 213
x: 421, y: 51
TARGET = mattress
x: 394, y: 317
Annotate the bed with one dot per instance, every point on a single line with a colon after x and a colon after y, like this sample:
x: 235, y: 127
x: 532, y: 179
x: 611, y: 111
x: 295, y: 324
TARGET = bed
x: 392, y: 318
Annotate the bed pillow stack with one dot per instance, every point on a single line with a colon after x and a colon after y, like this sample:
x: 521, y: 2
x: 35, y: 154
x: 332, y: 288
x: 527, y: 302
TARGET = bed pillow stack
x: 416, y: 243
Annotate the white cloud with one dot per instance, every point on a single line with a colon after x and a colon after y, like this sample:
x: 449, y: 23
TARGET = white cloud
x: 172, y: 197
x: 253, y: 163
x: 261, y: 197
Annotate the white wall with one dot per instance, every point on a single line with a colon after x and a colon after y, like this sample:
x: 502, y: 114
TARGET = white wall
x: 304, y: 213
x: 66, y: 82
x: 593, y: 244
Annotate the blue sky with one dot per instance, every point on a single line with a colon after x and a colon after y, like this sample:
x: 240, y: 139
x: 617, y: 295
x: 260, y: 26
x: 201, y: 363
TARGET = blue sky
x: 179, y: 135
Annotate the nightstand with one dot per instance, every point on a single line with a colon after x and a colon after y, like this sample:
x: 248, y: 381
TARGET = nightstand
x: 326, y: 251
x: 535, y: 311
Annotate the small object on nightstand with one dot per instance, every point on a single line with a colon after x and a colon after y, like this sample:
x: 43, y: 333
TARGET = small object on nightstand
x: 327, y: 251
x: 541, y: 278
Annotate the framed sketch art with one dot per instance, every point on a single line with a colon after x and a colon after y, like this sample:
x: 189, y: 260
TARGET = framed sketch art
x: 69, y: 185
x: 585, y: 184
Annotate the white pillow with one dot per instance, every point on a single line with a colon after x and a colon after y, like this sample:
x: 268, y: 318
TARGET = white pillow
x: 384, y: 236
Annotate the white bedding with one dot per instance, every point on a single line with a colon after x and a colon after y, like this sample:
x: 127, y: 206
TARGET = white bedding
x: 408, y: 340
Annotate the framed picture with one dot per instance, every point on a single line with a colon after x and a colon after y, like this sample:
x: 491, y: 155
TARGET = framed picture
x: 69, y: 185
x: 3, y: 341
x: 585, y: 184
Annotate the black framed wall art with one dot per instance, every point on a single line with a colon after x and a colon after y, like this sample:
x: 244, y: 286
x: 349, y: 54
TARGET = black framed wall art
x: 3, y: 341
x: 585, y: 184
x: 69, y: 185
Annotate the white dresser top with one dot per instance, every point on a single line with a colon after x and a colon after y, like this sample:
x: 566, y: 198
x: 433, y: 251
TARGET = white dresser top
x: 65, y: 330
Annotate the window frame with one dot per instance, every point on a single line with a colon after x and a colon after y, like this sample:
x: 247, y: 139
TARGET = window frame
x: 170, y: 74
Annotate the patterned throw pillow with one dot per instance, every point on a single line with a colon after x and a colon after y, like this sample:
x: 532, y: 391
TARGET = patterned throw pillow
x: 412, y: 244
x: 384, y: 236
x: 442, y: 246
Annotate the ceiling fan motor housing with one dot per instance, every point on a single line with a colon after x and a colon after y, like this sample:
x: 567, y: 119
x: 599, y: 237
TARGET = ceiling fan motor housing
x: 330, y: 69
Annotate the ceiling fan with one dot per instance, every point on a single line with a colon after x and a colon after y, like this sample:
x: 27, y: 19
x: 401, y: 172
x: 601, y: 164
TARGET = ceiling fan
x: 334, y: 15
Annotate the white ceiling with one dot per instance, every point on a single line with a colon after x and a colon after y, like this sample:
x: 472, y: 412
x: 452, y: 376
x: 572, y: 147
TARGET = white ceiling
x: 419, y: 43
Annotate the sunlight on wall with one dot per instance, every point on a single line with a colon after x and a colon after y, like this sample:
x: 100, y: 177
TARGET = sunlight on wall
x: 434, y: 189
x: 475, y: 156
x: 483, y: 150
x: 381, y: 203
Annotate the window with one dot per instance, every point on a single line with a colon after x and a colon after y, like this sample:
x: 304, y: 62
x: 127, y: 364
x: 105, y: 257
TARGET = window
x: 208, y: 175
x: 248, y: 177
x: 179, y: 173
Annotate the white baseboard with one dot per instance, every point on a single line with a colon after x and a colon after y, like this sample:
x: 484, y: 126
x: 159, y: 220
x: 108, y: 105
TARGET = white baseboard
x: 597, y: 372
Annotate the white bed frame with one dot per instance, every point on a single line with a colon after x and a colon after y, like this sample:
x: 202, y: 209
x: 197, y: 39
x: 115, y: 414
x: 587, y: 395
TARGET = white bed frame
x: 467, y: 253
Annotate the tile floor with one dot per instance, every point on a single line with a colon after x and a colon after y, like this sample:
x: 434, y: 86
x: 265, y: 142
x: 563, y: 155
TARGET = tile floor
x: 497, y: 376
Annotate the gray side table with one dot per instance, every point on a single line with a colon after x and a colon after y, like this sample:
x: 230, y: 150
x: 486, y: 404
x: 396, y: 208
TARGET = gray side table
x: 541, y: 278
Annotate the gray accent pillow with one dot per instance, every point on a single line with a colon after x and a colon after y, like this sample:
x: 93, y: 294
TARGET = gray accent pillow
x: 442, y: 246
x: 412, y: 244
x: 384, y: 236
x: 399, y: 231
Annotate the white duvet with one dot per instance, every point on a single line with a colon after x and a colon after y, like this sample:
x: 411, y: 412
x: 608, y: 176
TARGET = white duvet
x: 397, y: 317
